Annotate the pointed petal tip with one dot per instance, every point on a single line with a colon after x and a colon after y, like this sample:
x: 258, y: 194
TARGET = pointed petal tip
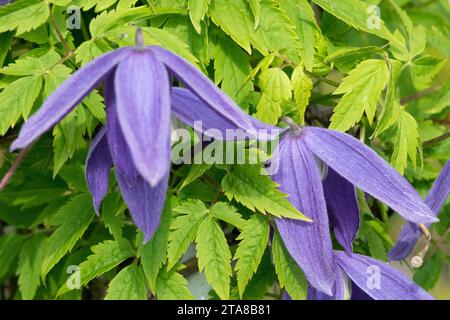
x: 67, y: 96
x: 15, y: 146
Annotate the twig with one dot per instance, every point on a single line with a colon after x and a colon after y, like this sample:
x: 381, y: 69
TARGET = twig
x: 327, y: 81
x: 436, y: 140
x: 13, y: 168
x: 418, y: 95
x: 58, y: 32
x: 216, y: 186
x: 441, y: 241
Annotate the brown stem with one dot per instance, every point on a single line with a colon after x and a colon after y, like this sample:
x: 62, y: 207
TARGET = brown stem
x: 436, y: 140
x: 417, y: 261
x: 418, y: 95
x: 441, y: 241
x: 216, y: 186
x: 13, y: 168
x: 58, y: 32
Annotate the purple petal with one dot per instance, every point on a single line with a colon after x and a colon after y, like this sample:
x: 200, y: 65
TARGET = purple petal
x: 145, y: 202
x: 314, y: 294
x: 189, y: 109
x: 378, y: 279
x: 410, y: 232
x: 343, y: 208
x: 361, y: 166
x: 67, y: 97
x: 440, y: 190
x: 309, y: 243
x: 358, y: 294
x: 143, y: 107
x: 406, y: 242
x: 98, y: 166
x: 205, y: 89
x: 285, y: 296
x: 341, y: 289
x: 118, y: 147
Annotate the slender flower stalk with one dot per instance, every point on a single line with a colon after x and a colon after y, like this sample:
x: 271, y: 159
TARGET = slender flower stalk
x: 365, y: 278
x: 136, y: 140
x: 350, y: 164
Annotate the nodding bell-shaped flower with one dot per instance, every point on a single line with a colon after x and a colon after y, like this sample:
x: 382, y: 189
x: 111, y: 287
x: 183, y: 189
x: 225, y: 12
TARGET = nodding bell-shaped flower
x: 136, y: 140
x: 411, y: 232
x: 350, y: 164
x: 364, y: 278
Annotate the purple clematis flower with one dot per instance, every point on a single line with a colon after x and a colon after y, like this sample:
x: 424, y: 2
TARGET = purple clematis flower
x: 364, y: 278
x: 3, y: 2
x: 411, y: 232
x: 136, y: 140
x: 350, y: 163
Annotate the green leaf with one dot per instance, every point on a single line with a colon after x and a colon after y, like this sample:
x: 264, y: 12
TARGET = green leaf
x: 55, y: 77
x: 407, y: 141
x: 428, y: 275
x: 106, y: 255
x: 195, y: 172
x: 18, y: 99
x: 391, y: 108
x: 23, y: 15
x: 424, y: 69
x: 184, y: 229
x: 357, y: 14
x: 276, y: 90
x: 254, y: 238
x: 225, y: 212
x: 30, y: 261
x: 416, y: 37
x: 129, y: 284
x: 263, y: 279
x: 110, y: 20
x: 347, y: 58
x: 153, y: 254
x: 361, y: 89
x: 91, y: 49
x: 68, y: 137
x: 290, y: 276
x: 95, y: 104
x: 73, y: 218
x: 10, y: 246
x: 170, y: 285
x: 276, y: 85
x: 198, y: 44
x: 375, y: 243
x: 214, y: 256
x: 24, y: 67
x: 248, y: 185
x: 5, y: 44
x: 231, y: 69
x: 112, y: 213
x: 197, y: 12
x: 302, y: 86
x: 255, y: 6
x: 269, y: 111
x: 74, y: 177
x: 302, y: 14
x: 275, y: 33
